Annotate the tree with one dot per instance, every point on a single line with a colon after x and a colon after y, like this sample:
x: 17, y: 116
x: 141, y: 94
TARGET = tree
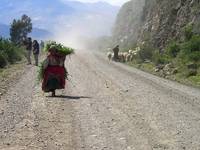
x: 20, y: 29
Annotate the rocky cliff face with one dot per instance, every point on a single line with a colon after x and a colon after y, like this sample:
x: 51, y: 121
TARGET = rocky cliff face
x: 158, y: 21
x: 164, y: 20
x: 128, y: 23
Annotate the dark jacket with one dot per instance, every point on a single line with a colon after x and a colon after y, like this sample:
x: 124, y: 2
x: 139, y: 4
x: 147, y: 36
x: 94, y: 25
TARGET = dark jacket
x: 36, y: 48
x: 28, y: 45
x: 116, y: 51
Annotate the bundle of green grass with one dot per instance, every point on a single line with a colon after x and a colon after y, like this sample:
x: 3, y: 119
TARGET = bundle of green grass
x: 60, y: 49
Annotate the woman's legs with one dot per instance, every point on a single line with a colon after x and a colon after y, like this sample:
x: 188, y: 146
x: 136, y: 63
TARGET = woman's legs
x: 36, y: 59
x: 28, y: 56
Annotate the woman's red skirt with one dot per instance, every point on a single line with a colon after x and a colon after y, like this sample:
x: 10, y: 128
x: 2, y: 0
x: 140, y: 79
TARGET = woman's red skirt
x: 54, y: 78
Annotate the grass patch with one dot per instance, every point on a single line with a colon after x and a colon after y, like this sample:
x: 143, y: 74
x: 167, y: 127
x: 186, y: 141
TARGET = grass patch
x: 179, y: 60
x: 10, y: 69
x: 179, y: 77
x: 195, y: 80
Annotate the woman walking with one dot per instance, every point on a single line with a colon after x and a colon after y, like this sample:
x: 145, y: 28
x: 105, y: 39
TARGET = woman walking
x: 54, y: 72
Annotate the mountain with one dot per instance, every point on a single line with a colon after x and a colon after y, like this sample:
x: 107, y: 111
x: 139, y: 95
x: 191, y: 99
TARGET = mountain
x: 41, y: 34
x: 128, y: 23
x: 4, y: 30
x: 157, y: 21
x: 36, y: 33
x: 62, y: 17
x: 164, y: 21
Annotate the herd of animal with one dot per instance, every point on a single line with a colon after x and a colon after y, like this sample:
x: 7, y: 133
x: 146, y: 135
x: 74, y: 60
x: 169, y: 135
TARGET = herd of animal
x: 124, y: 56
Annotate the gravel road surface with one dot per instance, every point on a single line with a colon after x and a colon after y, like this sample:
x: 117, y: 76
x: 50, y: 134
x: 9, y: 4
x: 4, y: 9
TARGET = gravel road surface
x: 105, y: 106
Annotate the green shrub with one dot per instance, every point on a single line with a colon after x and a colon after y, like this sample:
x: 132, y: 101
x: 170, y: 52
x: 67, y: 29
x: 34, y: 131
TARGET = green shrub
x: 188, y: 32
x: 160, y: 58
x: 9, y: 53
x: 194, y: 56
x: 3, y: 60
x: 195, y: 80
x: 191, y: 49
x: 146, y: 52
x: 173, y: 49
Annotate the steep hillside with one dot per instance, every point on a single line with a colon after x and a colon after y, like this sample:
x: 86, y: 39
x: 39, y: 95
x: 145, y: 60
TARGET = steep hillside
x: 156, y: 20
x: 128, y: 23
x: 167, y: 34
x: 164, y: 20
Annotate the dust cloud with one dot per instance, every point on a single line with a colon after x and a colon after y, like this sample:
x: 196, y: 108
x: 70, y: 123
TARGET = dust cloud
x: 81, y: 29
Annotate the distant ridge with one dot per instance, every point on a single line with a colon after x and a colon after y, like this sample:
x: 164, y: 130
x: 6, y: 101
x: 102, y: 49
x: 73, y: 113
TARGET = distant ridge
x: 36, y: 33
x: 98, y: 17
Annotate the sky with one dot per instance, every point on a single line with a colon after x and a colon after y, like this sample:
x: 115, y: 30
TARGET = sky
x: 113, y: 2
x: 71, y: 27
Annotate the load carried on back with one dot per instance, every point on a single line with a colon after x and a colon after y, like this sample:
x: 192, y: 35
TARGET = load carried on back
x: 52, y: 71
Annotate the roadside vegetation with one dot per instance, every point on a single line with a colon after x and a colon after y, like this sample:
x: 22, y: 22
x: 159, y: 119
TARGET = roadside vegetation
x: 11, y: 50
x: 10, y: 53
x: 11, y: 63
x: 180, y: 60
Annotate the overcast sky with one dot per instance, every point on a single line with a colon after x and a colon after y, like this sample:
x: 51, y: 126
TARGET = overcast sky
x: 113, y: 2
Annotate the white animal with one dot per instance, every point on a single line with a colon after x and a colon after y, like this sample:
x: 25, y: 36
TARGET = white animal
x: 128, y: 57
x: 137, y: 49
x: 130, y: 51
x: 109, y: 55
x: 121, y: 57
x: 125, y: 55
x: 132, y: 57
x: 134, y: 53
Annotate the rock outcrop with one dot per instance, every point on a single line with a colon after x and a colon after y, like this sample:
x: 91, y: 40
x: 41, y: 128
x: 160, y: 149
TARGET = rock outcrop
x: 156, y: 20
x: 164, y: 20
x: 127, y: 25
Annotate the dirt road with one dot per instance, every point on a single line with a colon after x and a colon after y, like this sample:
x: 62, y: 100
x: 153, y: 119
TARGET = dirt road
x: 106, y: 106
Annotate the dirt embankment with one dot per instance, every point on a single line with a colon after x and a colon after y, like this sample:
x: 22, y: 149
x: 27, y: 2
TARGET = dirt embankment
x: 10, y: 75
